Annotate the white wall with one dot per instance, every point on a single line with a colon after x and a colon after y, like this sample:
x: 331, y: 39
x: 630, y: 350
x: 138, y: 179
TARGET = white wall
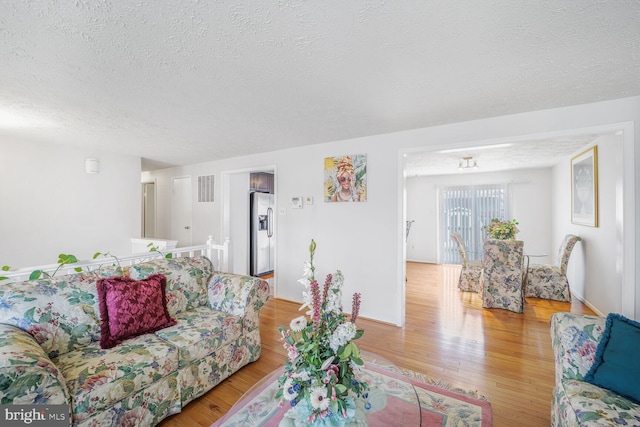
x: 206, y: 216
x: 595, y: 266
x: 529, y: 201
x: 344, y: 232
x: 239, y: 218
x: 49, y: 205
x: 365, y: 240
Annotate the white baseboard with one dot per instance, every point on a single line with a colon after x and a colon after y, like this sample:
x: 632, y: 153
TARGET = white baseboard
x: 587, y: 303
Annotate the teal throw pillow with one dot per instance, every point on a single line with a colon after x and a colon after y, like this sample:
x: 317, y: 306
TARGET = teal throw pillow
x: 616, y: 366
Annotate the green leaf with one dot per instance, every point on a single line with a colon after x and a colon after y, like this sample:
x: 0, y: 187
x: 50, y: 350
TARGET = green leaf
x: 359, y: 333
x: 4, y: 278
x: 67, y: 259
x: 78, y: 269
x: 169, y: 256
x: 355, y: 351
x: 346, y: 352
x: 35, y: 274
x: 6, y: 268
x: 340, y: 388
x: 96, y: 255
x: 334, y: 407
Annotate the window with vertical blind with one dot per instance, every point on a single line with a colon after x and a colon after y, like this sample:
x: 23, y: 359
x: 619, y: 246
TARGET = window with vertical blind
x: 465, y: 210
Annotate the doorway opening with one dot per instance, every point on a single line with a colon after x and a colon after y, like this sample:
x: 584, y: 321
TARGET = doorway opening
x: 149, y: 209
x: 540, y: 233
x: 237, y: 187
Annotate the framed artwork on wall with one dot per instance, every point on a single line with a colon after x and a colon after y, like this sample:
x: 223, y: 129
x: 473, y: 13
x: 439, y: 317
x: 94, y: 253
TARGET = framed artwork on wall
x: 584, y: 188
x: 345, y: 178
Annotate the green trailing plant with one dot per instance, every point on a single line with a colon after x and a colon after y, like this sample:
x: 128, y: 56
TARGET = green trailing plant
x: 4, y: 268
x: 63, y: 259
x: 153, y: 248
x: 106, y: 255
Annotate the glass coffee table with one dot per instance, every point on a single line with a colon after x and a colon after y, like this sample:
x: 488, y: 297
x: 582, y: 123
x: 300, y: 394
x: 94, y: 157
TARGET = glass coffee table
x: 393, y: 398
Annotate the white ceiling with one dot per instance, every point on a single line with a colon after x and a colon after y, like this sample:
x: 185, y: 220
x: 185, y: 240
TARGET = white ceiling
x: 184, y: 81
x: 521, y: 154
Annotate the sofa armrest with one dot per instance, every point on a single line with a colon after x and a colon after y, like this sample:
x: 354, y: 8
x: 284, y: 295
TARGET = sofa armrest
x: 239, y: 295
x: 27, y: 375
x: 575, y: 339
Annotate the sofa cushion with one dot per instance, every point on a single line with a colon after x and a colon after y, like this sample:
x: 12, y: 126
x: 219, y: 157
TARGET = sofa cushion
x: 615, y: 366
x: 129, y: 307
x: 596, y: 406
x: 99, y: 378
x: 61, y: 313
x: 146, y: 408
x: 200, y: 332
x: 187, y: 280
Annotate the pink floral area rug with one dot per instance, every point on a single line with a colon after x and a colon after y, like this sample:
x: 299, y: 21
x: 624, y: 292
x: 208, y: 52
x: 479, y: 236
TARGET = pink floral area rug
x: 398, y: 397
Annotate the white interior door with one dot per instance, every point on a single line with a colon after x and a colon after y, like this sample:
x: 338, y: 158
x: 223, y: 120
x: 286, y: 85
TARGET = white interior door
x: 149, y: 210
x: 181, y: 211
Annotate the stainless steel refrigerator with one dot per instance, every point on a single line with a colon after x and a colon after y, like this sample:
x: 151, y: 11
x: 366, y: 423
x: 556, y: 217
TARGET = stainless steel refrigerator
x: 261, y: 231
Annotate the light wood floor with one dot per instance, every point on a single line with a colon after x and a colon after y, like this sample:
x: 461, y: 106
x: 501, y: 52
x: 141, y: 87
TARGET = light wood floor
x: 448, y: 335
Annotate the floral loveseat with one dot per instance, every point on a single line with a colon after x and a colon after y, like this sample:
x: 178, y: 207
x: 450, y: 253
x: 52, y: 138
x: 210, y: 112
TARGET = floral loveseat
x: 50, y: 352
x: 575, y: 339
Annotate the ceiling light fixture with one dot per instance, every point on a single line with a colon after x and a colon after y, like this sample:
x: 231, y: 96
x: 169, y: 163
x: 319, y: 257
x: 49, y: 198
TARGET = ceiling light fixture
x: 466, y: 163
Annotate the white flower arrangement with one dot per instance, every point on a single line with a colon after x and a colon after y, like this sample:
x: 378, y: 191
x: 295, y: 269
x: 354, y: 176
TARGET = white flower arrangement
x: 320, y: 374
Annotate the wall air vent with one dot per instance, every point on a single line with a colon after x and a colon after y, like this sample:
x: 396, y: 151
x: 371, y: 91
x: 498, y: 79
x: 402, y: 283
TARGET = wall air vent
x: 205, y: 188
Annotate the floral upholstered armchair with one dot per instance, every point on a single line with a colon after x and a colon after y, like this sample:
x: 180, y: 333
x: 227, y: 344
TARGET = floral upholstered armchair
x: 550, y: 281
x: 502, y: 275
x: 470, y: 274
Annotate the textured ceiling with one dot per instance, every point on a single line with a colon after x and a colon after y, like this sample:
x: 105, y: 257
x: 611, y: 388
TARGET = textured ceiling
x: 179, y: 82
x: 534, y: 153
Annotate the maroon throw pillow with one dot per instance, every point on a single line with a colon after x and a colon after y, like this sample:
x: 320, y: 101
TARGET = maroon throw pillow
x: 131, y: 307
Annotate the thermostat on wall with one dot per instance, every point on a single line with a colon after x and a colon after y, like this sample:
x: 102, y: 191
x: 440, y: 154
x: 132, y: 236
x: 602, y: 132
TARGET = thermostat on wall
x: 295, y: 202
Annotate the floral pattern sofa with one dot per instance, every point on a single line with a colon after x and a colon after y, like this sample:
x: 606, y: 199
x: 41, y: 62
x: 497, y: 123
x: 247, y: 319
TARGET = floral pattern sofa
x: 50, y: 349
x: 575, y: 338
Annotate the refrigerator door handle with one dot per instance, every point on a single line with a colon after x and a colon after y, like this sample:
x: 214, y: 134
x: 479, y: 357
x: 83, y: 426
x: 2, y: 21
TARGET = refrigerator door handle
x: 270, y: 221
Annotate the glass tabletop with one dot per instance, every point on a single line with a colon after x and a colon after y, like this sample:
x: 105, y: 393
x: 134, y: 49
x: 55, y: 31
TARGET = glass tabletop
x: 392, y: 398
